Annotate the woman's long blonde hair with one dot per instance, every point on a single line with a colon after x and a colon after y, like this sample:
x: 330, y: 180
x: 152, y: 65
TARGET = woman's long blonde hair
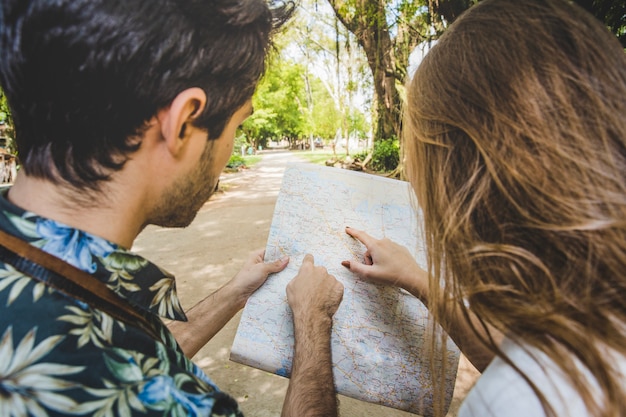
x: 515, y: 143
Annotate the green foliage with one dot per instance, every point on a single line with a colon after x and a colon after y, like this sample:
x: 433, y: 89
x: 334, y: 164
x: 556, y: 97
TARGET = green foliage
x: 7, y: 125
x: 283, y: 109
x: 612, y: 13
x: 5, y: 112
x: 386, y: 155
x: 358, y: 125
x: 325, y: 119
x: 360, y: 156
x: 236, y: 161
x: 240, y: 140
x: 387, y: 31
x: 278, y: 104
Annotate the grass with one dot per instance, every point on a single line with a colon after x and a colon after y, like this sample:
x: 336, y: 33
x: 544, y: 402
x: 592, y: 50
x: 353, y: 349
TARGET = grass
x: 252, y: 159
x: 318, y: 157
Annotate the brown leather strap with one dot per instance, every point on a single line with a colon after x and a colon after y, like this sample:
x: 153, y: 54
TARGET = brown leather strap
x: 113, y: 304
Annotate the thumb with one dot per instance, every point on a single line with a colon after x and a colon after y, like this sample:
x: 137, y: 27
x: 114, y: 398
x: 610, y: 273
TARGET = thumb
x: 277, y: 265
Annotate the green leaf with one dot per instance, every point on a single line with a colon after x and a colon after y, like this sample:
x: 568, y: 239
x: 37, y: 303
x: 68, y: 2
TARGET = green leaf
x: 126, y: 371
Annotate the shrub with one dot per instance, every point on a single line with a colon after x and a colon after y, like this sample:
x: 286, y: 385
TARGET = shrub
x: 386, y: 155
x: 360, y: 156
x: 236, y: 161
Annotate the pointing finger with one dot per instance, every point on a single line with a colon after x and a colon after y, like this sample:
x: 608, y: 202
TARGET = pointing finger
x: 360, y: 235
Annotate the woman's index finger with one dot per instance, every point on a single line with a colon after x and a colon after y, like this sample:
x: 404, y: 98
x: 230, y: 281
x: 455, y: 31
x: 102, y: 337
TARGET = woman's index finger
x: 360, y: 235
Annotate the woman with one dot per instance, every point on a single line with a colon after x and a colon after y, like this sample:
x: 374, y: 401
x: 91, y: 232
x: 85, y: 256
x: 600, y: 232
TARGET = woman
x: 515, y: 144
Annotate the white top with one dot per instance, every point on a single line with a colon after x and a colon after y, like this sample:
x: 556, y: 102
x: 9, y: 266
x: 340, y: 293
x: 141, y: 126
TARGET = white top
x: 502, y: 392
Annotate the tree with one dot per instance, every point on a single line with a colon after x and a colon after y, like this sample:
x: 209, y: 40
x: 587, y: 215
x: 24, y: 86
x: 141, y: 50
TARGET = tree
x: 6, y: 125
x: 314, y: 85
x: 329, y: 53
x: 325, y: 119
x: 279, y: 105
x: 291, y: 103
x: 612, y: 13
x: 374, y: 24
x: 5, y: 112
x: 389, y: 30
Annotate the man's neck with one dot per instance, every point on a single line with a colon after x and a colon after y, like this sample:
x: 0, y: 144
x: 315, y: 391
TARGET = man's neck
x: 111, y: 218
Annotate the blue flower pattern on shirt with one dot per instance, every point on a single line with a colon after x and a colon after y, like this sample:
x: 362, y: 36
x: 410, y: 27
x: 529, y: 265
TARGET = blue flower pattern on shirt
x: 73, y: 246
x: 82, y: 361
x: 163, y: 390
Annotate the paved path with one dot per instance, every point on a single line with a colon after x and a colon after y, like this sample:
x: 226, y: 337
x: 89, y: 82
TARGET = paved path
x: 210, y: 251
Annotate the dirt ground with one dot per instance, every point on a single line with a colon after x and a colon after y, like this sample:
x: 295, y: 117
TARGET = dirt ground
x: 212, y: 249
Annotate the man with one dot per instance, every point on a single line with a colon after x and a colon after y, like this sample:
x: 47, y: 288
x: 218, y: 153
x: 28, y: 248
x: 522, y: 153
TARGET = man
x: 125, y: 115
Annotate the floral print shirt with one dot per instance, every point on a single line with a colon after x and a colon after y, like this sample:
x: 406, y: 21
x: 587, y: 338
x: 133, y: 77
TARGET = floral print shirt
x: 59, y: 356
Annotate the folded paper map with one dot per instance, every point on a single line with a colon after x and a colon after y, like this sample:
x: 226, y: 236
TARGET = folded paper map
x: 381, y: 346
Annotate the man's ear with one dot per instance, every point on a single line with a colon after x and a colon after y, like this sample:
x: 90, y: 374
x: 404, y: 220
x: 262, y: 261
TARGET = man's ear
x: 176, y: 119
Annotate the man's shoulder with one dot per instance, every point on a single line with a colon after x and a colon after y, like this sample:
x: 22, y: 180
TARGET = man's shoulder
x: 69, y: 357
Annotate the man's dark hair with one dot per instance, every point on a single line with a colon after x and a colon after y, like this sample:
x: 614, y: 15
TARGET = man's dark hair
x: 83, y: 77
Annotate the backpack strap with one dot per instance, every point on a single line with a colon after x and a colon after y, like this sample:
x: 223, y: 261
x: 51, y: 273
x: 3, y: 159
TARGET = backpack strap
x: 69, y: 280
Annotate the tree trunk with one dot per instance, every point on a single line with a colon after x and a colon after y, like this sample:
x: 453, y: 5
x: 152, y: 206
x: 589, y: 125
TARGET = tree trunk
x: 369, y: 25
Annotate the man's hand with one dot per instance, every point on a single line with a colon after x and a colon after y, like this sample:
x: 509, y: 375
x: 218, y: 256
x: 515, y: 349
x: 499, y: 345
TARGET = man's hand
x: 253, y: 274
x: 314, y: 292
x: 211, y: 314
x: 314, y: 296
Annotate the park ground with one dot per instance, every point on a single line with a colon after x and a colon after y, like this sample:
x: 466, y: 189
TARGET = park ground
x: 212, y: 249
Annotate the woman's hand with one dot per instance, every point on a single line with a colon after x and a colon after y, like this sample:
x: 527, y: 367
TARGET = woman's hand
x: 388, y: 263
